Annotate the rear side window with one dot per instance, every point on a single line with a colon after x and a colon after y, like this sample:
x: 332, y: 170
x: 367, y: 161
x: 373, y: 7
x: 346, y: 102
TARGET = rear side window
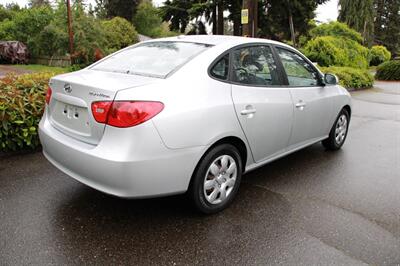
x: 299, y: 72
x: 156, y: 59
x: 255, y: 66
x: 221, y: 68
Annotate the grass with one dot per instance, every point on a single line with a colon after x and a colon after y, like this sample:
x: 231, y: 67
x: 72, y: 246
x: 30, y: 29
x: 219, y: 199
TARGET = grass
x: 42, y: 68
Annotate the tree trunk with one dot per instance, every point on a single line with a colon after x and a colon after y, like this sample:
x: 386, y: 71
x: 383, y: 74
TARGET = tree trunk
x: 292, y: 30
x: 70, y: 33
x: 220, y: 20
x: 236, y: 26
x: 214, y: 20
x: 365, y: 33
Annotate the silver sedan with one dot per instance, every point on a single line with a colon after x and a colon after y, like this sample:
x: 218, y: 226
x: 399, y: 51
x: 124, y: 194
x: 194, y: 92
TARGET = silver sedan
x: 189, y: 114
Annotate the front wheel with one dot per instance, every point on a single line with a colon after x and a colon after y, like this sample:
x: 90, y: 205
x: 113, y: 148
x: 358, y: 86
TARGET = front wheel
x: 338, y: 133
x: 216, y: 179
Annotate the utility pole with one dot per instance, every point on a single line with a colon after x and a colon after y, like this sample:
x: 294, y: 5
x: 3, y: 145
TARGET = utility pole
x: 250, y: 23
x: 70, y: 33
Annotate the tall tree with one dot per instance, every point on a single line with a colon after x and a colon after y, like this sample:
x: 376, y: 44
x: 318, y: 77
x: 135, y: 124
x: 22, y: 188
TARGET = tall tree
x: 116, y: 8
x: 387, y: 24
x: 100, y: 9
x: 176, y: 12
x: 180, y: 12
x: 38, y: 3
x: 359, y: 15
x: 273, y: 17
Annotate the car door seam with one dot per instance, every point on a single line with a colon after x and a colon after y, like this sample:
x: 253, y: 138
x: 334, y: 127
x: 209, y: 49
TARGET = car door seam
x: 238, y: 121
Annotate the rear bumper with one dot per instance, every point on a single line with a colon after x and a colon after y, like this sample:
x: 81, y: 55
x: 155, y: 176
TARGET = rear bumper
x: 131, y: 163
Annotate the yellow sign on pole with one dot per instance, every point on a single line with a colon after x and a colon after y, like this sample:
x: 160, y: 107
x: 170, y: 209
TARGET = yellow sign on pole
x: 245, y: 16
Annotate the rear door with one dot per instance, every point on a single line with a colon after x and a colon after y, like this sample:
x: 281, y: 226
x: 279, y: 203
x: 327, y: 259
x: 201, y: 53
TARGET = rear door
x: 263, y: 106
x: 312, y: 103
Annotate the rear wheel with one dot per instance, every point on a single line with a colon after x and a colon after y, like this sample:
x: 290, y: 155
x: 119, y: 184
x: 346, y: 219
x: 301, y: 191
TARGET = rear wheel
x: 216, y: 179
x: 338, y: 133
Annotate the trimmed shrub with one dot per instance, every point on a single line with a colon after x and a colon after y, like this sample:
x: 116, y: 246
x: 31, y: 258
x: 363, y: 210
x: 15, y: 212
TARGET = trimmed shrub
x: 324, y: 51
x: 119, y: 33
x: 329, y: 50
x: 388, y: 71
x: 22, y: 101
x: 336, y: 29
x: 379, y: 55
x: 351, y: 78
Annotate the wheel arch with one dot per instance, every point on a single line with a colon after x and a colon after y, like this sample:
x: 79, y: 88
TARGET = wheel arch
x: 348, y: 109
x: 235, y: 141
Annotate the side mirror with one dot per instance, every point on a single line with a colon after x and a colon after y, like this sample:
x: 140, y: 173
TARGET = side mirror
x: 331, y: 79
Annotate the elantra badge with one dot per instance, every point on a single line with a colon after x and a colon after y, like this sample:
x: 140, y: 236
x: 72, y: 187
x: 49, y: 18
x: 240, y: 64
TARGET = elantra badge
x: 98, y: 94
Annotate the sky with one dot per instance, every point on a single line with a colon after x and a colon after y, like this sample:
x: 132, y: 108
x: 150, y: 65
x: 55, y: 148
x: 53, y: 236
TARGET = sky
x: 326, y: 12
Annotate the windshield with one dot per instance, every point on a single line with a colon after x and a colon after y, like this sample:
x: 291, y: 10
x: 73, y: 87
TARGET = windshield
x: 156, y: 59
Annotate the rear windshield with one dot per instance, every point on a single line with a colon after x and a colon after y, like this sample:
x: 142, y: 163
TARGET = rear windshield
x: 155, y: 59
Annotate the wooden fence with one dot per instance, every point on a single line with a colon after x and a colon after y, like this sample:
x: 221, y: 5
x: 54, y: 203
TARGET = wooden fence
x: 58, y: 61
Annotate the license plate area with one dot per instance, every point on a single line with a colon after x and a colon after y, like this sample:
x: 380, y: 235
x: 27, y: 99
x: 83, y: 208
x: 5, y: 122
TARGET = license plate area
x: 71, y: 117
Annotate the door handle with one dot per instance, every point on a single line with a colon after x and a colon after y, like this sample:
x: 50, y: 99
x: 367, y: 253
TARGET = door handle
x: 248, y: 111
x: 300, y: 105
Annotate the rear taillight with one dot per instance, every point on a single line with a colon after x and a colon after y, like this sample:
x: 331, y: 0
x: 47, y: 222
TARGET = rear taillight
x: 48, y: 95
x: 125, y: 113
x: 100, y: 111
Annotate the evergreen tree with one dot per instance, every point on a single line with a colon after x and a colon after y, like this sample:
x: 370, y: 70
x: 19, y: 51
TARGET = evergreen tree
x: 38, y: 3
x: 274, y: 17
x: 176, y: 12
x: 116, y: 8
x: 387, y: 24
x: 99, y: 9
x: 359, y: 15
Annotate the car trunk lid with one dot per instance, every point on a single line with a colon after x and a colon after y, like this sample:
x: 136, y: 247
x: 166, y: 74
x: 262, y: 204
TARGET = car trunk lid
x: 73, y: 93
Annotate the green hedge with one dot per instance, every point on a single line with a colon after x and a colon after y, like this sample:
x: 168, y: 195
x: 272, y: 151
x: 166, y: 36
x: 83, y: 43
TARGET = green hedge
x: 388, y: 71
x: 336, y: 29
x: 351, y: 78
x: 329, y: 51
x: 22, y: 101
x: 379, y: 55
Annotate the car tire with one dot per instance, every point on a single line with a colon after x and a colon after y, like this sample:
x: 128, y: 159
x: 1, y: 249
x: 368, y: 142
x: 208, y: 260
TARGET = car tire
x: 216, y: 179
x: 338, y: 133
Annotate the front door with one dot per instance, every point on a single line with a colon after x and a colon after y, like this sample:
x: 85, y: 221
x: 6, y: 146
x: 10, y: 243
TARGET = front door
x: 311, y: 100
x: 264, y: 108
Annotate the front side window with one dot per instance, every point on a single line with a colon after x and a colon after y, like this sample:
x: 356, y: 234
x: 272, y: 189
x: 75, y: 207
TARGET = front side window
x: 156, y: 59
x: 221, y: 68
x: 299, y: 72
x: 255, y: 66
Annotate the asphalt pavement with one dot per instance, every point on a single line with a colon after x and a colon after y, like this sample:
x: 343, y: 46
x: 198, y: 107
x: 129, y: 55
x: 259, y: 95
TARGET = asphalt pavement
x: 313, y: 207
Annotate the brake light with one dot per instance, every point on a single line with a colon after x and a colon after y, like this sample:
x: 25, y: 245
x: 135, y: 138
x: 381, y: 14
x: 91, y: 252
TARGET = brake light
x: 48, y: 95
x: 125, y: 113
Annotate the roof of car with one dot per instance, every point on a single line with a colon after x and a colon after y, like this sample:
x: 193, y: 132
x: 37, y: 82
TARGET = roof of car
x: 217, y: 39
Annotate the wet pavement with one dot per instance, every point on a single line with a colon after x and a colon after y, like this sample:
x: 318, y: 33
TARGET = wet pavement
x: 312, y: 207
